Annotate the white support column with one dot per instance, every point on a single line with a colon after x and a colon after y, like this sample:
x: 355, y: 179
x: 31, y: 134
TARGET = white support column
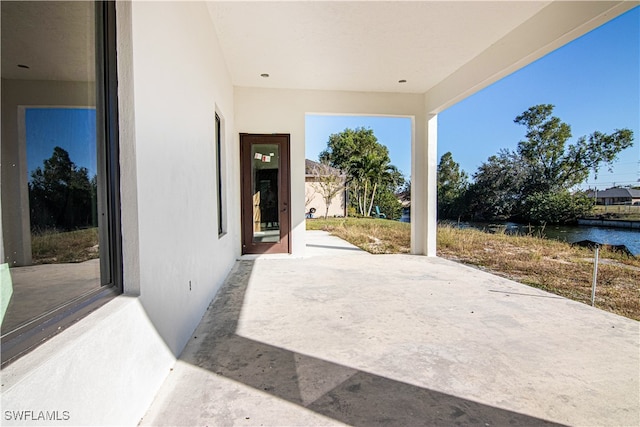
x: 424, y: 153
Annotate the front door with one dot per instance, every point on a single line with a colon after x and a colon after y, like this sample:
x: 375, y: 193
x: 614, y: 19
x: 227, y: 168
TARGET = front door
x: 265, y: 193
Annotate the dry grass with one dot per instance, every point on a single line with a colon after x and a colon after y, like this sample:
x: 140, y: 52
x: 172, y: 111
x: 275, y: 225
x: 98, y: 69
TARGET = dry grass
x: 554, y: 266
x: 52, y: 247
x: 377, y: 236
x: 550, y: 265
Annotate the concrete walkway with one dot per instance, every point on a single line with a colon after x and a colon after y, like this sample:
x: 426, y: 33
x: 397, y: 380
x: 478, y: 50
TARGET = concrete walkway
x: 345, y: 337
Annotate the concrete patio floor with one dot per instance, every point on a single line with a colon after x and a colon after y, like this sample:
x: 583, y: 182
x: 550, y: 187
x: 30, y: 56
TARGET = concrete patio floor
x: 345, y: 337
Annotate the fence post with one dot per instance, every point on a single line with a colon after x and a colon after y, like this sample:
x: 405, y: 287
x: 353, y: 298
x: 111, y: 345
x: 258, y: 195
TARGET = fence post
x: 595, y: 276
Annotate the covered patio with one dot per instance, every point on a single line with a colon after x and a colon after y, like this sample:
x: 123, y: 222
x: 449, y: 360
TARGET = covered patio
x: 321, y: 333
x: 345, y: 337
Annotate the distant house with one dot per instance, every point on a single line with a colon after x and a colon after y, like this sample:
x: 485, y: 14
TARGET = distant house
x: 616, y: 196
x: 313, y: 191
x: 404, y: 197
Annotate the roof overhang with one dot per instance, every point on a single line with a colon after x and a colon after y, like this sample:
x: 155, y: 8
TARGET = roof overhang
x: 445, y: 49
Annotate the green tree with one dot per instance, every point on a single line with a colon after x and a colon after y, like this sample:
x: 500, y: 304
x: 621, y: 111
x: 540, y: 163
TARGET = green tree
x: 389, y: 204
x: 557, y: 207
x: 387, y: 198
x: 452, y: 186
x: 555, y: 165
x: 496, y: 190
x: 366, y: 162
x: 543, y: 170
x: 61, y: 195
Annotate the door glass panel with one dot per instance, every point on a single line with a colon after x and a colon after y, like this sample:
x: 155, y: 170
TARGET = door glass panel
x: 264, y: 190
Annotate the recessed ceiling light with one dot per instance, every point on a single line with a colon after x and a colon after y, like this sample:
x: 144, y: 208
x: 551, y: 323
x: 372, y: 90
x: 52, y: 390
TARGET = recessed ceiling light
x: 23, y: 66
x: 402, y: 81
x: 265, y: 75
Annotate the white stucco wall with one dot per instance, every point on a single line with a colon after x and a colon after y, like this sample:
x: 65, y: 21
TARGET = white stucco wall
x: 106, y: 369
x: 283, y: 111
x: 180, y: 81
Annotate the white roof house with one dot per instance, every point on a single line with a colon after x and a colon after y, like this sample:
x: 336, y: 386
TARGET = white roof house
x: 322, y: 182
x: 205, y: 106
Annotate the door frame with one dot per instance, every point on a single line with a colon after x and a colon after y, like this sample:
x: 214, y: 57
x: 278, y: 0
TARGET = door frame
x: 284, y: 194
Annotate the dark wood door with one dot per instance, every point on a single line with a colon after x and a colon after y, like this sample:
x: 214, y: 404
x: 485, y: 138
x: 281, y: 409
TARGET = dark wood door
x: 266, y: 219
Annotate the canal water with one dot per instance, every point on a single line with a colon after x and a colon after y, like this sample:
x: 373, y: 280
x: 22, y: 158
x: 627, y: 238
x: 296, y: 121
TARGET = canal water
x: 570, y: 234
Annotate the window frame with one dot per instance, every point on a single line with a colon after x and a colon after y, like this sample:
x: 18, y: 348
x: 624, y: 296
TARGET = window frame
x: 30, y: 335
x: 220, y: 200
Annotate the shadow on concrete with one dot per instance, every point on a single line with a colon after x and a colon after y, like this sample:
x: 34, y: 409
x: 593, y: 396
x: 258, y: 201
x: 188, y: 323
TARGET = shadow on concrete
x: 526, y: 295
x: 335, y: 247
x: 340, y: 392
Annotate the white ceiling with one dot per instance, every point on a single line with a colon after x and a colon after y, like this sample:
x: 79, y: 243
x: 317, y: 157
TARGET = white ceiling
x: 55, y: 39
x: 359, y: 45
x: 440, y: 47
x: 448, y: 49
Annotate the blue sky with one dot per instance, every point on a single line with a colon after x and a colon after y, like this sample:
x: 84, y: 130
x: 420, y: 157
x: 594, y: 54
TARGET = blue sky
x: 73, y: 129
x: 594, y: 82
x: 393, y: 132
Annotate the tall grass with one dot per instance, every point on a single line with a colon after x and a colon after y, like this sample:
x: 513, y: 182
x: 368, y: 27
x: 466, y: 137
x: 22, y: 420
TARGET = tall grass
x: 547, y: 264
x: 52, y: 247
